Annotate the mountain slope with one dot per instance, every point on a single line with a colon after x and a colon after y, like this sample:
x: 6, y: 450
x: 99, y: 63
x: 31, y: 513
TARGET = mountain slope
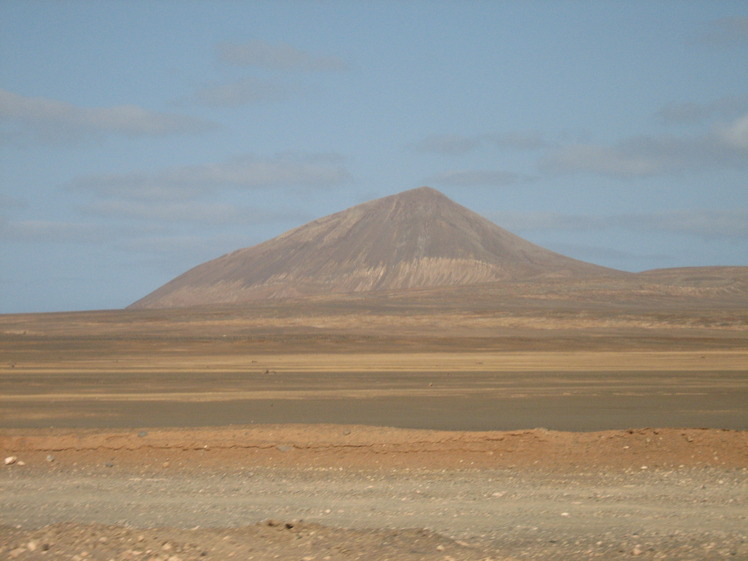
x: 418, y: 238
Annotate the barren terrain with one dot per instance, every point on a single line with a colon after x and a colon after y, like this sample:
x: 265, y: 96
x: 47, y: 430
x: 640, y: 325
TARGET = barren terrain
x: 562, y: 421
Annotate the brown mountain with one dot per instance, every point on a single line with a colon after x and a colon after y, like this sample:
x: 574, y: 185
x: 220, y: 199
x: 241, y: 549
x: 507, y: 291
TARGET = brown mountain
x: 415, y: 239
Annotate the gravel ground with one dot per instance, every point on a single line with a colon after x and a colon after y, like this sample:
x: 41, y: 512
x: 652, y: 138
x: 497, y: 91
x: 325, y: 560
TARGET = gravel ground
x: 111, y: 511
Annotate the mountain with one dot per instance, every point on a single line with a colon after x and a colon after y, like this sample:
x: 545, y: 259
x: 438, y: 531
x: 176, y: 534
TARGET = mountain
x: 415, y: 239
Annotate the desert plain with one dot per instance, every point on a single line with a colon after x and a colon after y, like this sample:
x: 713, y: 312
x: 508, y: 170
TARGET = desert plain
x: 556, y: 420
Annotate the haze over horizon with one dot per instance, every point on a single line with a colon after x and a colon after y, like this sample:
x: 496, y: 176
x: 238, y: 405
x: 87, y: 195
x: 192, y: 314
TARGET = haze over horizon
x: 139, y: 139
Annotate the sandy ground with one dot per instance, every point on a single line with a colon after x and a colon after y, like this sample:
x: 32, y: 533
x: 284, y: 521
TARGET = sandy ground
x: 257, y: 433
x: 577, y: 391
x: 358, y: 492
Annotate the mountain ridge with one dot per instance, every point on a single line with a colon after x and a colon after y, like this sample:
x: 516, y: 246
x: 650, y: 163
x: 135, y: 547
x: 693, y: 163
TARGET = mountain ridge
x: 413, y: 239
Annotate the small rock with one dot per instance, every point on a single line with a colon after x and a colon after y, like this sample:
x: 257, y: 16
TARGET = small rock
x: 143, y: 433
x: 50, y: 458
x: 10, y: 460
x: 637, y: 550
x: 32, y: 545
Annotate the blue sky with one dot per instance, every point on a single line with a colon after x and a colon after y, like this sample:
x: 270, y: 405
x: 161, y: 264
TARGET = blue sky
x: 141, y: 138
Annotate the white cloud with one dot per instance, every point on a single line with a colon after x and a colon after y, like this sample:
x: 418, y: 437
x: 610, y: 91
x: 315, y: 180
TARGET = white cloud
x: 185, y: 211
x: 735, y: 134
x: 725, y: 31
x: 446, y: 144
x: 724, y: 224
x: 251, y: 172
x: 278, y: 56
x: 468, y: 178
x: 7, y: 202
x: 703, y: 223
x: 726, y: 145
x: 142, y: 186
x: 50, y: 231
x: 605, y: 160
x: 456, y: 144
x: 244, y: 92
x: 535, y: 221
x: 49, y: 120
x: 518, y: 140
x: 691, y: 112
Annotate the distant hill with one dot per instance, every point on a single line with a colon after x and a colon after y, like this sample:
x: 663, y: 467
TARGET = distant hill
x: 415, y: 239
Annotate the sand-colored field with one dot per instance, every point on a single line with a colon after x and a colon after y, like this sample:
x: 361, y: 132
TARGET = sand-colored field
x: 562, y: 428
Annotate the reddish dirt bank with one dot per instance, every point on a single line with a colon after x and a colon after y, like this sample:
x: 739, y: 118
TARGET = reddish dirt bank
x: 362, y: 447
x: 344, y: 493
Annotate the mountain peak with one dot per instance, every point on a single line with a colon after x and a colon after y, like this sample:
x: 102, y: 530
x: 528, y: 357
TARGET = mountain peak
x: 413, y: 239
x: 422, y: 192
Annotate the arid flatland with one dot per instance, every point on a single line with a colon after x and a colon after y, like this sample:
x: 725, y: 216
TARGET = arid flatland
x: 586, y: 422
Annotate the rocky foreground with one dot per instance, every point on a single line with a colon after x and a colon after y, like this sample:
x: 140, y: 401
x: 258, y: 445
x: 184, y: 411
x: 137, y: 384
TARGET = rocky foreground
x: 344, y: 493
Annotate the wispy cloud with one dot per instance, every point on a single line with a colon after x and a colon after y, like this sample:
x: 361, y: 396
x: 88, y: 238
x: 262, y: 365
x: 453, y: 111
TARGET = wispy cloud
x: 703, y: 223
x: 538, y: 221
x: 249, y: 172
x: 518, y: 140
x: 243, y: 92
x: 735, y: 134
x: 446, y: 144
x: 197, y: 212
x: 615, y: 257
x: 724, y: 31
x: 48, y: 120
x: 50, y: 231
x: 185, y: 211
x: 7, y: 202
x: 692, y: 112
x: 711, y: 224
x: 725, y: 145
x: 456, y: 144
x: 470, y: 178
x: 277, y: 56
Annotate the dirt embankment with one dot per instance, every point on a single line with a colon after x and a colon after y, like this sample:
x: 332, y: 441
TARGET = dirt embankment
x: 344, y: 493
x: 364, y: 446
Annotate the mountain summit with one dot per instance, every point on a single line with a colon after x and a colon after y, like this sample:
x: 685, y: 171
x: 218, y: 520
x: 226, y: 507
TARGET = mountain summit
x: 417, y: 238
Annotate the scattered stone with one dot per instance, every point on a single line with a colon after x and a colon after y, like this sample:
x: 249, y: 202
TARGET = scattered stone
x: 143, y: 433
x: 50, y: 458
x: 10, y: 460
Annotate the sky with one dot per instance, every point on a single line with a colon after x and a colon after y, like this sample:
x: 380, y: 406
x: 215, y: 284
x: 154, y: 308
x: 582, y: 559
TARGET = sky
x: 139, y: 139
